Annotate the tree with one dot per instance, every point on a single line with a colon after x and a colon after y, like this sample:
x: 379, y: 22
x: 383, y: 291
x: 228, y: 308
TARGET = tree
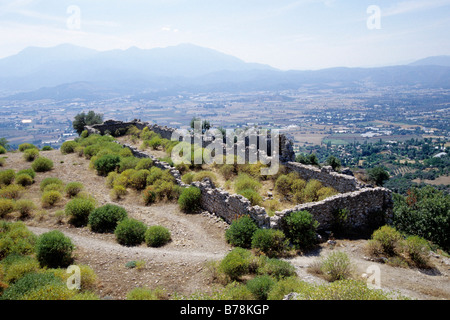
x: 206, y: 125
x: 379, y: 175
x: 82, y: 119
x: 4, y: 143
x: 334, y: 162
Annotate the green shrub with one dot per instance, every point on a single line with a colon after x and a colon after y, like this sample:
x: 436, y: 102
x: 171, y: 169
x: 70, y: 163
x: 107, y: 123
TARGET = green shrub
x: 149, y: 195
x: 29, y: 172
x: 283, y: 185
x: 253, y: 196
x: 159, y: 174
x: 269, y: 241
x: 25, y: 206
x: 73, y: 188
x: 227, y: 171
x: 16, y: 238
x: 236, y: 263
x: 166, y: 190
x: 244, y: 181
x: 46, y: 148
x: 51, y: 180
x: 7, y: 177
x: 287, y: 285
x: 300, y: 228
x: 13, y: 191
x: 50, y: 198
x: 189, y: 200
x: 260, y: 286
x: 154, y: 143
x: 130, y: 232
x: 107, y: 163
x: 118, y: 192
x: 2, y: 150
x: 78, y: 210
x: 336, y: 266
x: 144, y: 163
x: 106, y: 218
x: 138, y: 179
x: 31, y: 154
x: 110, y: 178
x: 241, y: 231
x: 42, y: 164
x: 275, y: 268
x: 25, y: 146
x: 2, y: 162
x: 68, y: 147
x: 54, y: 187
x: 389, y: 239
x: 157, y: 236
x: 236, y: 291
x: 199, y: 176
x: 188, y: 178
x: 24, y: 180
x: 15, y: 266
x: 417, y: 250
x: 54, y: 250
x: 127, y: 163
x: 6, y: 206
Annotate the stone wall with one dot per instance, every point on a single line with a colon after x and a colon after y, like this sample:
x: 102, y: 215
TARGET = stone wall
x: 341, y: 182
x: 366, y: 206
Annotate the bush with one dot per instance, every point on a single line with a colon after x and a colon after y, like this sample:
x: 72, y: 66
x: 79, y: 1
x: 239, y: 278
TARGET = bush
x: 24, y: 180
x: 188, y: 178
x: 25, y: 146
x: 276, y: 268
x: 269, y: 241
x: 31, y: 154
x: 253, y: 196
x: 301, y: 229
x: 37, y: 286
x: 128, y: 163
x: 138, y: 179
x: 12, y: 191
x: 244, y: 181
x: 389, y: 239
x: 130, y: 232
x: 107, y: 163
x: 50, y: 198
x: 29, y: 172
x: 149, y: 195
x: 189, y: 200
x: 46, y: 148
x: 51, y: 180
x: 236, y: 263
x: 73, y: 188
x: 25, y: 206
x: 287, y: 285
x: 106, y: 218
x: 6, y: 206
x: 54, y: 187
x: 7, y: 177
x: 227, y: 171
x: 144, y: 163
x: 260, y: 286
x: 199, y: 176
x: 16, y: 266
x: 16, y: 238
x: 157, y: 236
x: 78, y: 210
x: 54, y: 250
x: 336, y: 266
x: 417, y: 250
x: 2, y: 150
x: 118, y: 192
x: 283, y: 185
x: 241, y: 231
x: 42, y: 164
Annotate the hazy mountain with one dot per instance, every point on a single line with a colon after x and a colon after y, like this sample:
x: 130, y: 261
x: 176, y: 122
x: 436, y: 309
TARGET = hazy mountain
x: 433, y: 61
x: 66, y: 72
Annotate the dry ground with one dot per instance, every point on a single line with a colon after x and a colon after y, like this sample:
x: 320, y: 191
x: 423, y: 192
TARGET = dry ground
x: 196, y: 239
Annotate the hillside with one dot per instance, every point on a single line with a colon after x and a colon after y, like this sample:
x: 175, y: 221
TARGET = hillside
x: 181, y: 266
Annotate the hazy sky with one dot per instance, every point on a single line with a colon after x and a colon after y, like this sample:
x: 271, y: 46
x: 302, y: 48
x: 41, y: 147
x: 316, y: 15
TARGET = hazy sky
x: 287, y: 34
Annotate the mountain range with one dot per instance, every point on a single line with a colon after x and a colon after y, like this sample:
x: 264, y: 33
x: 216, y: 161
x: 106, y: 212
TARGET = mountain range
x: 68, y: 72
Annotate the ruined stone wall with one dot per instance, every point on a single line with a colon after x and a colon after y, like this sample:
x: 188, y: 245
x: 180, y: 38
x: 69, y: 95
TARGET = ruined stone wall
x: 365, y: 205
x: 341, y: 182
x: 366, y: 208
